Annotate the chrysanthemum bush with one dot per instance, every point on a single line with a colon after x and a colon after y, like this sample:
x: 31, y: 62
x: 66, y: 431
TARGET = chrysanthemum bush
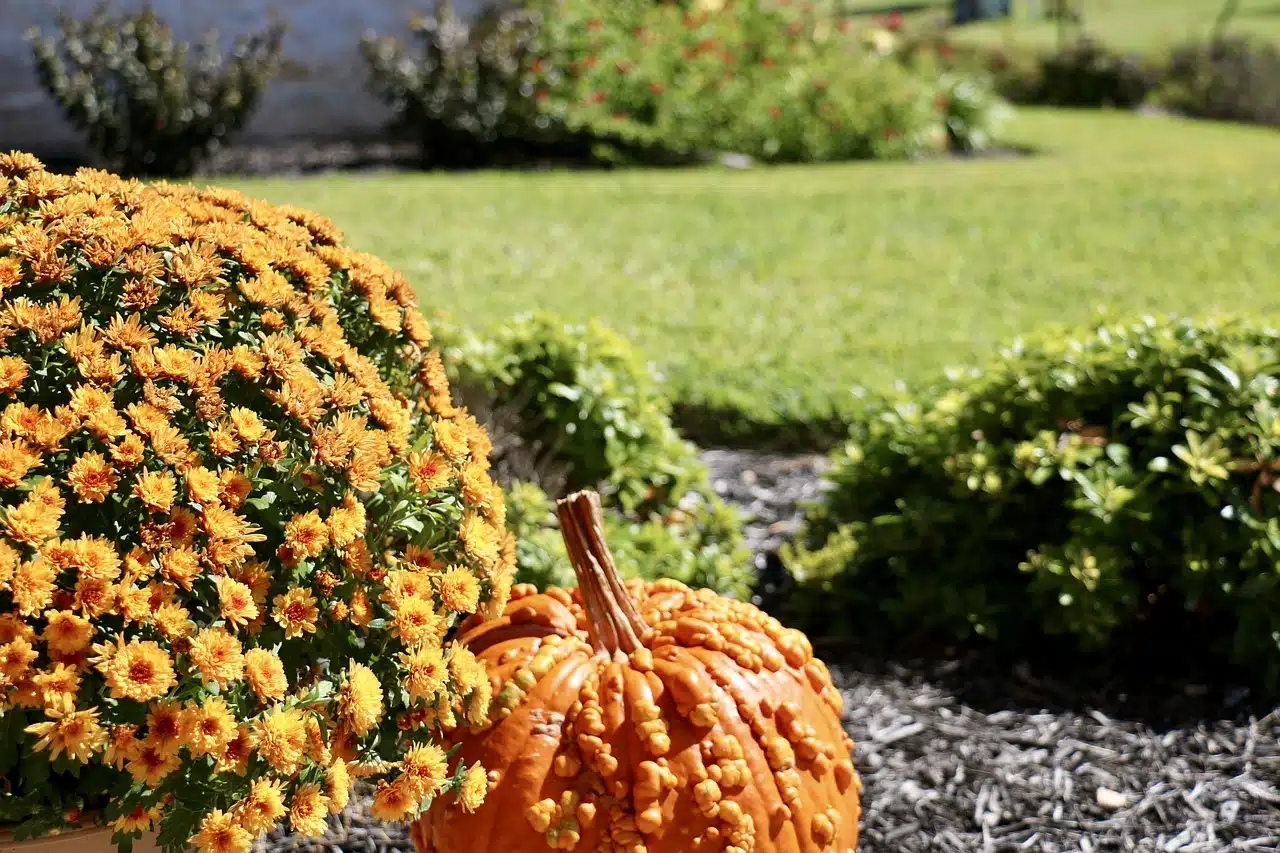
x: 238, y: 516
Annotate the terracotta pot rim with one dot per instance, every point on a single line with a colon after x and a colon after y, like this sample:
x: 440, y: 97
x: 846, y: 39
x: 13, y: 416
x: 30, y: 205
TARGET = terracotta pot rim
x: 80, y: 831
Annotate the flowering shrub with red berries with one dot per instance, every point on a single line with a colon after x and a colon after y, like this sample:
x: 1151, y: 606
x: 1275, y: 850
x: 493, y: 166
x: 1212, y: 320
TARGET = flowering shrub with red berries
x: 780, y: 81
x: 238, y: 516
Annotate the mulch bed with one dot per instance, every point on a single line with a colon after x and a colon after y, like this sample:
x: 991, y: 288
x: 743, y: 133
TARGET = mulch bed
x: 940, y: 774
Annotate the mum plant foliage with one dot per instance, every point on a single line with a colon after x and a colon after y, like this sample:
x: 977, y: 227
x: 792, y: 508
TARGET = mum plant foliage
x: 238, y: 516
x: 1116, y: 481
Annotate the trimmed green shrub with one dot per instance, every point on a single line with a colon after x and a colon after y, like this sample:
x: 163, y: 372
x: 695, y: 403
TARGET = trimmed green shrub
x: 147, y: 104
x: 463, y: 91
x: 1087, y: 73
x: 700, y: 543
x: 779, y: 82
x: 1229, y: 79
x: 584, y: 402
x: 1094, y: 484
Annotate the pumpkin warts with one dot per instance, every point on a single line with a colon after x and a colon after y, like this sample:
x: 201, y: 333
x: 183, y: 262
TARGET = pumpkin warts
x: 648, y: 718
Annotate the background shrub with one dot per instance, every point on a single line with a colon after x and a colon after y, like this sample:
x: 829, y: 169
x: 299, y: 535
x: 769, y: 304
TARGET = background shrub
x: 699, y: 543
x: 465, y: 91
x: 584, y: 405
x: 1232, y: 79
x: 776, y: 81
x: 150, y: 105
x: 1086, y: 73
x: 1113, y: 485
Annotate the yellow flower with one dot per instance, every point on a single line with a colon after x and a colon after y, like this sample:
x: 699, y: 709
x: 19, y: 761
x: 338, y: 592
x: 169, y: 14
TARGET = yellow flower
x: 173, y: 620
x: 66, y: 633
x: 426, y: 768
x: 346, y: 523
x: 429, y: 470
x: 416, y: 622
x: 92, y: 478
x: 296, y: 612
x: 16, y: 657
x: 168, y: 727
x: 141, y: 671
x: 220, y: 833
x: 151, y: 765
x: 392, y: 802
x: 262, y: 807
x: 459, y: 591
x: 156, y: 490
x: 305, y: 535
x: 360, y: 699
x: 180, y: 565
x: 122, y: 741
x: 212, y: 727
x: 337, y: 785
x: 138, y: 820
x: 236, y: 758
x: 307, y: 811
x: 32, y: 586
x: 77, y: 733
x: 248, y: 426
x: 265, y: 674
x: 94, y: 596
x: 36, y: 519
x: 475, y: 784
x: 426, y: 671
x: 235, y: 601
x: 58, y: 687
x: 217, y: 655
x: 202, y: 485
x: 451, y: 439
x: 280, y: 737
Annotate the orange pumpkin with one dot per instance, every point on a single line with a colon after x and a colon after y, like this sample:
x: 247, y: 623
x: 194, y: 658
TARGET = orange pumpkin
x: 648, y: 718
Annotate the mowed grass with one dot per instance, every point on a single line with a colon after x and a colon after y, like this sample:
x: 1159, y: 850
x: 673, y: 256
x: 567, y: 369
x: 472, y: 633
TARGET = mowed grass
x: 767, y: 295
x: 1129, y: 24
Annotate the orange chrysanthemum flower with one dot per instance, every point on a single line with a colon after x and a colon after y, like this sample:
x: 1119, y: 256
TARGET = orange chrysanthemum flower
x: 280, y: 737
x: 265, y: 674
x: 262, y: 807
x: 156, y: 490
x: 141, y: 671
x: 235, y: 602
x: 296, y: 612
x: 168, y: 727
x: 66, y: 633
x: 92, y: 478
x: 306, y: 535
x: 220, y: 832
x: 212, y: 727
x: 360, y: 699
x: 217, y: 656
x: 308, y: 810
x: 392, y: 801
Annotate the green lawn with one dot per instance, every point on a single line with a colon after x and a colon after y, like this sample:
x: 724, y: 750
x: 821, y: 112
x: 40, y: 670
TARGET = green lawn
x: 770, y: 293
x: 1135, y: 24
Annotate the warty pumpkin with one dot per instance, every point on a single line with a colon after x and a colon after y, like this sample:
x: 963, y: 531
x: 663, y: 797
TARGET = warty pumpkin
x: 647, y: 718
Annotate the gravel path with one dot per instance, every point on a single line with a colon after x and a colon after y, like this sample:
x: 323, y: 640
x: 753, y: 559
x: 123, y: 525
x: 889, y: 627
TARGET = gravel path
x: 962, y: 756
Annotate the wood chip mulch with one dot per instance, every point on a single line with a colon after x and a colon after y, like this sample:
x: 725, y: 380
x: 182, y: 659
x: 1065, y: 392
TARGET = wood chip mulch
x: 948, y: 775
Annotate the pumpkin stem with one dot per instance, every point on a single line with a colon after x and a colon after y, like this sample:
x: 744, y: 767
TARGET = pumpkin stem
x: 613, y: 621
